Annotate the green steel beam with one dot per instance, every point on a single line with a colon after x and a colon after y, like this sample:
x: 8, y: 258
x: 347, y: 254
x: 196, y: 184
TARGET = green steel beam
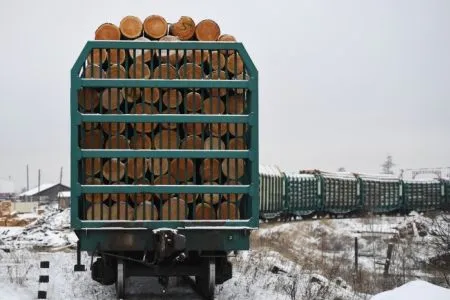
x: 109, y: 153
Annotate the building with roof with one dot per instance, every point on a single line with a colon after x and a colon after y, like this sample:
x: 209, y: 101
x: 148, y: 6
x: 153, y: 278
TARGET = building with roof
x: 45, y: 193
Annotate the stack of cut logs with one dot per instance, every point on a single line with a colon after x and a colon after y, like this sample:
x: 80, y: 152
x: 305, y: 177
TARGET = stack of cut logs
x: 135, y: 63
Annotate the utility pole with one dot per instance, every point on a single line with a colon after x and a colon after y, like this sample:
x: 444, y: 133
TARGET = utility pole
x: 28, y: 179
x: 60, y: 176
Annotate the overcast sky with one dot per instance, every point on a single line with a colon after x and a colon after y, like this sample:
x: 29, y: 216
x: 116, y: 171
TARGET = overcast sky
x: 342, y: 83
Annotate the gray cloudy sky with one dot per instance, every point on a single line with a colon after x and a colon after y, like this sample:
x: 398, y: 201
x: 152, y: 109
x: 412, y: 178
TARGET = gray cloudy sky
x: 342, y: 83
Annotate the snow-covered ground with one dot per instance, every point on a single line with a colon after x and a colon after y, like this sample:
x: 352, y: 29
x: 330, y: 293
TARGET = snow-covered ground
x: 311, y: 259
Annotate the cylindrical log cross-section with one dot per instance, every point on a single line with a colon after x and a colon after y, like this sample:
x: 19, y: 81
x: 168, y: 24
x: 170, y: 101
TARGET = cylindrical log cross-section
x: 95, y: 197
x: 117, y: 142
x: 158, y: 166
x: 146, y: 109
x: 113, y: 128
x: 166, y: 139
x: 107, y: 31
x: 131, y: 27
x: 97, y: 211
x: 155, y: 27
x: 122, y: 211
x: 228, y: 211
x: 164, y: 180
x: 92, y: 166
x: 113, y: 170
x: 193, y: 101
x: 140, y: 141
x: 92, y: 139
x: 136, y: 168
x: 174, y: 209
x: 146, y: 211
x: 182, y: 169
x: 88, y: 99
x: 184, y: 29
x: 210, y: 169
x: 139, y: 198
x: 204, y: 211
x: 112, y: 99
x: 233, y: 168
x: 211, y: 198
x: 207, y: 30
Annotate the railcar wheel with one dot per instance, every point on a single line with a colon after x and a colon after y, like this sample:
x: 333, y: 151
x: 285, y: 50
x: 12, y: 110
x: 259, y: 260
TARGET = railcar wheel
x: 207, y: 281
x: 120, y: 283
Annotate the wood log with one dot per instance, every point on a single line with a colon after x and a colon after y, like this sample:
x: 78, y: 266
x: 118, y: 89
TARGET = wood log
x: 88, y: 99
x: 165, y: 71
x: 113, y: 128
x: 166, y: 139
x: 194, y: 129
x: 218, y: 129
x: 155, y: 27
x: 89, y: 126
x: 214, y: 143
x: 172, y: 98
x: 97, y: 211
x: 169, y: 56
x: 107, y: 31
x: 191, y: 143
x: 217, y: 60
x: 228, y: 211
x: 237, y: 144
x: 94, y: 71
x: 235, y: 65
x: 237, y: 129
x: 235, y: 104
x: 210, y: 169
x: 233, y: 168
x: 193, y: 101
x: 213, y: 105
x: 211, y: 198
x: 131, y: 95
x: 111, y: 99
x: 136, y: 168
x: 158, y: 166
x: 143, y: 108
x: 190, y: 71
x: 122, y: 211
x: 196, y: 56
x: 116, y: 56
x: 140, y: 141
x: 138, y: 70
x: 204, y: 211
x: 97, y: 56
x: 113, y: 170
x: 146, y: 211
x: 117, y: 142
x: 118, y: 197
x: 233, y: 197
x: 218, y: 75
x: 164, y: 180
x: 136, y: 54
x: 207, y: 30
x: 116, y: 71
x: 169, y: 125
x: 131, y: 27
x: 182, y: 169
x: 189, y: 198
x: 96, y: 198
x: 184, y: 29
x: 241, y: 77
x: 227, y: 38
x: 92, y: 139
x: 92, y: 166
x: 174, y: 209
x: 150, y: 95
x: 139, y: 198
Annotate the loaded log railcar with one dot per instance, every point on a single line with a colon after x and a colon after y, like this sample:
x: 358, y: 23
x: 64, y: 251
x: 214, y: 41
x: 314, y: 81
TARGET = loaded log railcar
x: 164, y: 159
x: 423, y: 195
x: 272, y: 192
x: 380, y: 193
x: 303, y: 194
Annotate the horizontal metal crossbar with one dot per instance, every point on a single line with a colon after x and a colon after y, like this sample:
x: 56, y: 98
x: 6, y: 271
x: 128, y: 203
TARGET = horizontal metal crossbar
x: 180, y: 45
x: 166, y: 118
x: 166, y: 189
x: 164, y: 83
x: 110, y: 153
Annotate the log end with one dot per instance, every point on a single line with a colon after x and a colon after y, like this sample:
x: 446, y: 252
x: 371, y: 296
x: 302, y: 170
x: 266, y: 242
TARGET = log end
x: 207, y: 30
x: 131, y: 27
x: 155, y: 26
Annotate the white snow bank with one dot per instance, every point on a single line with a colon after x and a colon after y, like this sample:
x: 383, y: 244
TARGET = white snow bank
x: 415, y: 290
x: 9, y: 291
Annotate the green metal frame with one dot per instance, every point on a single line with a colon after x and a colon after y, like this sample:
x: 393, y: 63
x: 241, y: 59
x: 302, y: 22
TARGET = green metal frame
x: 421, y: 196
x: 303, y: 195
x: 251, y: 119
x: 271, y: 196
x: 380, y: 196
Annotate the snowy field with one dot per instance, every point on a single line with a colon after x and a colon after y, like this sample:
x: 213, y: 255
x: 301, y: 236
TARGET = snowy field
x: 311, y: 259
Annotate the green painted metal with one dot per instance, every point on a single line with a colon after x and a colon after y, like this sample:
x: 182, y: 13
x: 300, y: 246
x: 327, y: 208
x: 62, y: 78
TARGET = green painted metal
x: 302, y: 194
x: 272, y: 183
x: 340, y: 192
x: 422, y: 195
x: 380, y: 193
x: 249, y: 206
x: 446, y: 194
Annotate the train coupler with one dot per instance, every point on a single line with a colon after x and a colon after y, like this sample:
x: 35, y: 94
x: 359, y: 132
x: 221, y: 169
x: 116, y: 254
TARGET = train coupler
x: 169, y: 244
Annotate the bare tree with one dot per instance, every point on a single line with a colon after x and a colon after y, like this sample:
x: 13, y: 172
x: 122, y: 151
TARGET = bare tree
x: 441, y: 262
x: 341, y: 169
x: 388, y: 165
